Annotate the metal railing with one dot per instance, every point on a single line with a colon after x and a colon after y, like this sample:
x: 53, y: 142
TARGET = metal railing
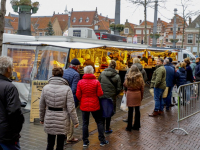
x: 188, y: 102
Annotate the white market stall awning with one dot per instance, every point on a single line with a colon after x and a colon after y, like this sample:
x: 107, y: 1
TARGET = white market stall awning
x: 75, y: 45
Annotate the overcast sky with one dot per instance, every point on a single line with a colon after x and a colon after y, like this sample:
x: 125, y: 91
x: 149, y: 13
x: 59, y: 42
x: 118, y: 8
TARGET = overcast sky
x: 107, y: 7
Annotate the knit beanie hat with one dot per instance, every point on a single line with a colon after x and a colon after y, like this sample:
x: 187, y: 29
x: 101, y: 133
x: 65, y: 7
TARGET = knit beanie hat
x: 75, y: 62
x: 170, y: 59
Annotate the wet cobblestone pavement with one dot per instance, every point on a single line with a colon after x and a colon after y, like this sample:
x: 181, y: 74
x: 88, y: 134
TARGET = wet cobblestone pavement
x: 154, y: 133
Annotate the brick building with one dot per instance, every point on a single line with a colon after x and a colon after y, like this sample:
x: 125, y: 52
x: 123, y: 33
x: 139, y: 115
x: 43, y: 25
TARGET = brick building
x: 179, y: 31
x: 191, y: 35
x: 128, y: 31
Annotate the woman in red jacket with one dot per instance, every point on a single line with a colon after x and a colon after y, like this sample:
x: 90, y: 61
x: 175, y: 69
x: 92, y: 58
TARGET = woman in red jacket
x: 88, y: 93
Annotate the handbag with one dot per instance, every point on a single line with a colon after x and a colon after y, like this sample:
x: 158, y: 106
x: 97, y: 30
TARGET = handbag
x: 165, y: 93
x: 107, y: 107
x: 123, y: 105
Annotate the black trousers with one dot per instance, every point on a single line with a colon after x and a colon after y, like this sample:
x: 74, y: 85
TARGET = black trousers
x: 106, y: 123
x: 130, y: 117
x: 51, y: 142
x: 97, y: 115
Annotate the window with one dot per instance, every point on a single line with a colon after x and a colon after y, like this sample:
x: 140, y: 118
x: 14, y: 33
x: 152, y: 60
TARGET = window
x: 47, y: 60
x: 197, y: 38
x: 194, y: 49
x: 146, y: 30
x: 126, y: 31
x: 9, y: 31
x: 77, y: 33
x: 171, y: 29
x: 190, y: 38
x: 40, y: 34
x: 96, y: 27
x: 170, y: 36
x: 179, y: 29
x: 74, y: 20
x: 159, y: 29
x: 179, y: 37
x: 166, y: 40
x: 138, y: 32
x: 87, y: 19
x: 23, y: 61
x: 139, y: 39
x: 81, y: 19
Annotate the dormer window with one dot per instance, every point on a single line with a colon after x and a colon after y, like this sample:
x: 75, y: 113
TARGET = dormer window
x: 74, y: 20
x: 87, y: 19
x: 81, y: 19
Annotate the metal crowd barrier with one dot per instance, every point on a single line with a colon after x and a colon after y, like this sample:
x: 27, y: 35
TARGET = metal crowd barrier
x: 188, y: 102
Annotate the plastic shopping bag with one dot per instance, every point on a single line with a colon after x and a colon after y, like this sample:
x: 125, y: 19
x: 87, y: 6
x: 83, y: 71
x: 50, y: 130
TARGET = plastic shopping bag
x: 123, y: 104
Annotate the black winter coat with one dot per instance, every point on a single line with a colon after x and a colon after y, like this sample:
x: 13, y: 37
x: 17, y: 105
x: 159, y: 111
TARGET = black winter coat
x: 189, y: 74
x: 11, y: 117
x: 181, y: 77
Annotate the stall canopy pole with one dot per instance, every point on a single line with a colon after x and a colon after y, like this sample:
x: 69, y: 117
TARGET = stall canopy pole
x: 34, y: 70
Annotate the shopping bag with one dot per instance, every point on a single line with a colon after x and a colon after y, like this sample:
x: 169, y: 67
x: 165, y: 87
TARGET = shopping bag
x: 107, y: 107
x: 151, y: 92
x: 124, y: 104
x: 165, y: 93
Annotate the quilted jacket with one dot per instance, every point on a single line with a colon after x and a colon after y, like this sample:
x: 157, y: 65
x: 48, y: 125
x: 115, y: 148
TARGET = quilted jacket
x: 57, y: 94
x: 88, y: 92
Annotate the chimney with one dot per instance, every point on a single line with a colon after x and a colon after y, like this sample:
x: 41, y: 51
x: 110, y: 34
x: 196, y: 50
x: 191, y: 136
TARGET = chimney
x: 100, y: 14
x: 190, y: 21
x: 158, y: 19
x: 54, y: 13
x: 72, y: 10
x: 126, y: 20
x: 140, y: 22
x: 106, y: 19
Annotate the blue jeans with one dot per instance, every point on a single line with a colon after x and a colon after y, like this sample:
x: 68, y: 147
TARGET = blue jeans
x: 159, y: 104
x: 188, y: 91
x: 10, y: 146
x: 167, y: 100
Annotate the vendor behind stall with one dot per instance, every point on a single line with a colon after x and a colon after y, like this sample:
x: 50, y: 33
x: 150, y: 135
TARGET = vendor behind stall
x: 144, y: 58
x: 88, y: 61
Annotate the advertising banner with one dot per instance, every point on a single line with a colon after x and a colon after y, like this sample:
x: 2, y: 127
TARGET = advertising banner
x: 37, y: 86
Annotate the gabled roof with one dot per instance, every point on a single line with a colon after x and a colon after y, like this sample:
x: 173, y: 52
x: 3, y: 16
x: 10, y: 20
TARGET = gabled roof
x: 15, y: 26
x: 195, y: 22
x: 43, y: 22
x: 103, y: 25
x: 63, y: 24
x: 132, y: 26
x: 84, y: 15
x: 164, y: 23
x: 104, y: 18
x: 60, y: 17
x: 148, y: 23
x: 15, y: 19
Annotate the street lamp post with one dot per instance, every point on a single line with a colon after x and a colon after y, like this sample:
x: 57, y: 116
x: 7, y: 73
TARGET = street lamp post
x: 69, y: 20
x: 174, y: 31
x: 198, y: 26
x: 155, y: 24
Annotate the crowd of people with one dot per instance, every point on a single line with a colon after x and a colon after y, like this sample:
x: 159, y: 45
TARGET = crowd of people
x: 65, y: 93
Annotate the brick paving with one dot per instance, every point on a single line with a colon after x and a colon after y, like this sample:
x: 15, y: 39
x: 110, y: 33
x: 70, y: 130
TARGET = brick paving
x: 154, y: 133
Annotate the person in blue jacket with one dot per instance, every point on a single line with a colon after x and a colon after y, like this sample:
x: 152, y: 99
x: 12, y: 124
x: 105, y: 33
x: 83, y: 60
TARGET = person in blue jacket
x: 170, y: 76
x: 181, y: 75
x: 72, y: 76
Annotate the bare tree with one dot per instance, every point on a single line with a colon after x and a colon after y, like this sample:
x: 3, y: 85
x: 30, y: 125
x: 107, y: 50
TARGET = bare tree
x: 145, y: 4
x: 186, y: 14
x: 2, y: 22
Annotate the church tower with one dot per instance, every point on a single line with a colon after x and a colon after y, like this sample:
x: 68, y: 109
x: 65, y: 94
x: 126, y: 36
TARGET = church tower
x: 66, y: 11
